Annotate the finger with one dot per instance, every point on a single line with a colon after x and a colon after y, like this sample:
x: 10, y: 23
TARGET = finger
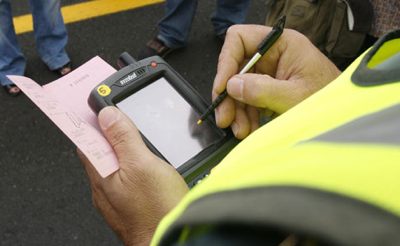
x: 264, y: 91
x: 225, y: 113
x: 94, y: 178
x: 239, y: 44
x: 109, y: 212
x: 98, y: 199
x: 122, y: 134
x: 241, y: 126
x: 254, y: 119
x: 103, y: 205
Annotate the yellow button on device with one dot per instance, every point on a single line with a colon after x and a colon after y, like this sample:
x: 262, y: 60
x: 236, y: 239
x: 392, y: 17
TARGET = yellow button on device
x: 103, y: 90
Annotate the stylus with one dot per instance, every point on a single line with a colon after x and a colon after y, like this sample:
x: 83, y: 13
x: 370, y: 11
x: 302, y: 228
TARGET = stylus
x: 262, y: 48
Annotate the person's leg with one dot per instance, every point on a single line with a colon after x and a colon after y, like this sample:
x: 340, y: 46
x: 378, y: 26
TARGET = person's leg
x: 50, y: 33
x: 228, y: 13
x: 175, y: 26
x: 12, y: 61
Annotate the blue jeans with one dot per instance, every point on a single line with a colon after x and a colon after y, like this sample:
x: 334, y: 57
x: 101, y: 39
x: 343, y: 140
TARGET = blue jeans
x: 175, y: 26
x: 50, y: 36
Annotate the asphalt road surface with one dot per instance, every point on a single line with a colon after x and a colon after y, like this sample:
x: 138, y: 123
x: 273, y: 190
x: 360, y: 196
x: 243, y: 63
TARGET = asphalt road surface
x: 44, y: 194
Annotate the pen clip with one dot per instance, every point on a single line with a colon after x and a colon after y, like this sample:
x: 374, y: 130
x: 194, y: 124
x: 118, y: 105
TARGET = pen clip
x: 280, y: 23
x: 271, y: 38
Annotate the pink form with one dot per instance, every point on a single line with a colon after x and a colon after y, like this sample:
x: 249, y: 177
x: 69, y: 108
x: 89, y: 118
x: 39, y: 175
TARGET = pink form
x: 64, y: 101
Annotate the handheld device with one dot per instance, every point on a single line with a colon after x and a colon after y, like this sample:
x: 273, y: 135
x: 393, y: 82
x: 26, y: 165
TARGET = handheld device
x: 165, y: 108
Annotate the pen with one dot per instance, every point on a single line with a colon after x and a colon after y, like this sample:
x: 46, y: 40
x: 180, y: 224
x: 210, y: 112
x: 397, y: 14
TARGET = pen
x: 262, y: 48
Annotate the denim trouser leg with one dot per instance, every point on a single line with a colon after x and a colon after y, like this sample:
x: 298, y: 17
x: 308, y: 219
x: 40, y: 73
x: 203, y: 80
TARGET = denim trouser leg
x: 50, y: 32
x: 12, y: 61
x: 174, y: 28
x: 228, y: 13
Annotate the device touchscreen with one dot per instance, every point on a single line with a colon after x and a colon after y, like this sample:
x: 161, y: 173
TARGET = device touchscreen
x: 168, y: 121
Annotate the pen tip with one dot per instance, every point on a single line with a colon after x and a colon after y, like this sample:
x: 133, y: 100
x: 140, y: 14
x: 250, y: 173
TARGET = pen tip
x: 199, y: 122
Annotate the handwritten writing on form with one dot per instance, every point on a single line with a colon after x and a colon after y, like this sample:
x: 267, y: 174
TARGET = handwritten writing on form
x: 64, y: 101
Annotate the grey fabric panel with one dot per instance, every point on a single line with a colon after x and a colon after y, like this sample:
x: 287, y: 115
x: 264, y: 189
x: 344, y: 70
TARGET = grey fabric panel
x: 325, y: 216
x: 364, y: 76
x: 382, y: 127
x: 390, y: 64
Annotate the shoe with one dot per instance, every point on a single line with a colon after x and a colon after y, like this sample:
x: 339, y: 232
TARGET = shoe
x: 64, y: 70
x: 12, y: 90
x: 155, y: 47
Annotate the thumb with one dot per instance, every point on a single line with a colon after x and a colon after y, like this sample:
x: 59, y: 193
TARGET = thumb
x: 261, y: 91
x: 122, y: 134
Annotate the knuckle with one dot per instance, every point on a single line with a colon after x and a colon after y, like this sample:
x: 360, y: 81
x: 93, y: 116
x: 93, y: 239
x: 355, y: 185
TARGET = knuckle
x: 234, y: 29
x: 292, y: 32
x: 296, y: 35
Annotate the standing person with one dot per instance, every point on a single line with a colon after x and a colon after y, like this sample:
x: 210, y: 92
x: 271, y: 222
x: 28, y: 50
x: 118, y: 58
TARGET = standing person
x: 50, y: 36
x: 342, y: 30
x: 175, y: 26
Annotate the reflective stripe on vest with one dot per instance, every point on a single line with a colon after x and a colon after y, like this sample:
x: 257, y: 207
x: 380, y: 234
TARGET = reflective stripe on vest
x: 323, y: 151
x: 376, y: 128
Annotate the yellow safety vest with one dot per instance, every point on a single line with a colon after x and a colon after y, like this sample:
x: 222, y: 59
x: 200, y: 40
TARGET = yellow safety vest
x: 329, y: 167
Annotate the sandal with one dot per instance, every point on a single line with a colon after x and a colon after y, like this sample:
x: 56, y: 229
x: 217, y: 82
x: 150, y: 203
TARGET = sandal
x: 12, y: 90
x: 64, y: 70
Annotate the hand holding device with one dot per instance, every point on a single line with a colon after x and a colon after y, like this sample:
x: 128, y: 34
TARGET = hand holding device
x: 292, y: 70
x: 135, y: 198
x: 165, y: 109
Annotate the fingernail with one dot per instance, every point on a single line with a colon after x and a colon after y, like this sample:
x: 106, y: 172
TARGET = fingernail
x: 235, y: 128
x: 108, y: 116
x: 235, y: 87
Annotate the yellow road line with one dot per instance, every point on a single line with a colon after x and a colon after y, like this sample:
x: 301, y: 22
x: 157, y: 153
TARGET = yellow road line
x: 85, y: 10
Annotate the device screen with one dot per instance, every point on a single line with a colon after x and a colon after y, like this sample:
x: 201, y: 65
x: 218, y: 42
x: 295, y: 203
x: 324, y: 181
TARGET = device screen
x: 168, y: 121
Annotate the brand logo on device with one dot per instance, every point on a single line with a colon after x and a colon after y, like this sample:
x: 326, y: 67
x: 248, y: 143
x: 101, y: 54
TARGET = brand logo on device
x: 128, y: 79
